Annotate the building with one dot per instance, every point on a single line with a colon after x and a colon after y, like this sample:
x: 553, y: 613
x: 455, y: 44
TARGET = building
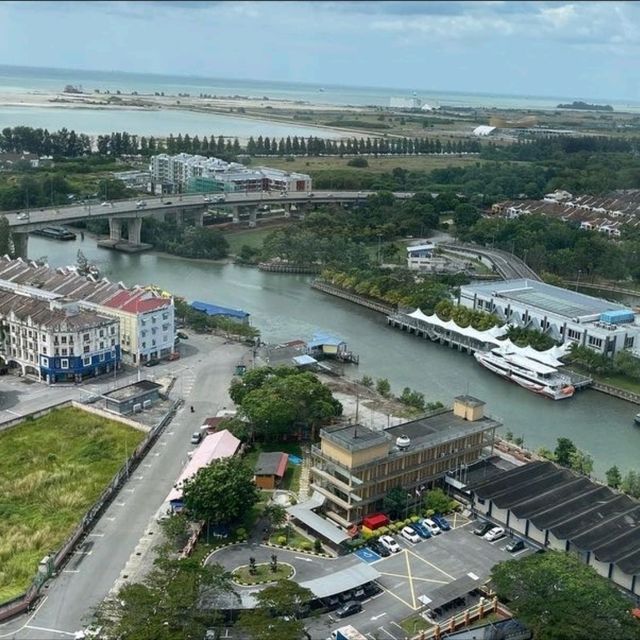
x: 420, y: 256
x: 198, y: 174
x: 147, y: 328
x: 217, y: 446
x: 405, y: 103
x: 214, y: 310
x: 270, y: 469
x: 133, y: 398
x: 56, y: 340
x: 483, y: 130
x: 355, y: 467
x: 138, y: 180
x: 605, y: 327
x: 555, y: 508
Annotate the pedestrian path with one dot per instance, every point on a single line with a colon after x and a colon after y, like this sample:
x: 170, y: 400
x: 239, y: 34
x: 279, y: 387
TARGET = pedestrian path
x: 305, y: 475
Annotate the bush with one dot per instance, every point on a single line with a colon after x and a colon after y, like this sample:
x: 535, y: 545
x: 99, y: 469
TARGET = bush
x: 281, y: 540
x: 407, y: 521
x: 306, y: 545
x: 317, y: 546
x: 414, y: 519
x: 382, y: 531
x: 358, y: 162
x: 366, y: 534
x: 241, y: 533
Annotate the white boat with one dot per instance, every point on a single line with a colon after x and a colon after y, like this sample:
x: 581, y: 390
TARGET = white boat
x: 527, y: 372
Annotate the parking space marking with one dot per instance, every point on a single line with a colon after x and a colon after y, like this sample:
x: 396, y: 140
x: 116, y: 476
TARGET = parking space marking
x: 397, y: 597
x: 388, y: 633
x: 432, y: 565
x: 71, y: 571
x: 413, y: 593
x: 399, y: 575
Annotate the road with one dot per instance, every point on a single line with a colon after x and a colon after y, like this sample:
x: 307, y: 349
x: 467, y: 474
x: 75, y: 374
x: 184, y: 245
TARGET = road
x: 203, y: 380
x: 24, y: 221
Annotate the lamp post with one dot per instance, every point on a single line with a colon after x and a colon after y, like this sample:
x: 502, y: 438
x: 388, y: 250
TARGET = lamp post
x: 578, y: 279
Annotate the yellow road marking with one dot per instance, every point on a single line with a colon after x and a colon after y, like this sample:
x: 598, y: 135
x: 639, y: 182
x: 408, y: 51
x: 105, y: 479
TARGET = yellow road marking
x: 397, y: 597
x: 401, y: 575
x: 431, y: 565
x: 413, y: 593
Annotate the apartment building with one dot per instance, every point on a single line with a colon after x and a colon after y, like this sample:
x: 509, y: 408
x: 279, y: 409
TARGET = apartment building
x: 55, y: 339
x: 354, y: 467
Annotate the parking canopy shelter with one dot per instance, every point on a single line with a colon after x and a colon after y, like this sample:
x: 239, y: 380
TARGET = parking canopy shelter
x: 321, y: 527
x: 349, y: 578
x: 447, y: 592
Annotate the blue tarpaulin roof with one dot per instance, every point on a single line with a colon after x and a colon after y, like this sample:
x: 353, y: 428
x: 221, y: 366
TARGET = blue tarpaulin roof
x: 215, y: 310
x: 321, y: 339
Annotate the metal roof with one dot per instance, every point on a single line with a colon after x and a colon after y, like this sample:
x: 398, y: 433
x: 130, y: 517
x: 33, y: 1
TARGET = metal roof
x: 320, y: 525
x: 339, y: 581
x: 456, y: 589
x: 216, y: 310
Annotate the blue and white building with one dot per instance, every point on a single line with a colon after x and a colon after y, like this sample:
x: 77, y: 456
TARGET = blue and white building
x: 420, y: 256
x: 55, y: 340
x: 566, y: 316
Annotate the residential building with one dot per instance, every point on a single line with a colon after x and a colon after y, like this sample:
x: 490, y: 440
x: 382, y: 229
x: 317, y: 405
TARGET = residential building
x: 605, y: 327
x: 55, y: 339
x: 193, y: 173
x: 147, y: 326
x: 555, y: 508
x: 354, y: 467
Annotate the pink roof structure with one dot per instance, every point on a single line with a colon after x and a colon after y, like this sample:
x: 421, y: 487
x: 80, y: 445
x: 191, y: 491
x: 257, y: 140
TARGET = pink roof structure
x: 136, y: 301
x: 217, y: 446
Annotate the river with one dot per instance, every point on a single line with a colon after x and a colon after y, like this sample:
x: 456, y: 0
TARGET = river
x: 284, y: 307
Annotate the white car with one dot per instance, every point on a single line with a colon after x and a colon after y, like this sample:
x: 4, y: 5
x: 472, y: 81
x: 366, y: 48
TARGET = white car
x: 22, y: 216
x: 431, y: 526
x: 494, y: 534
x: 104, y: 204
x: 409, y: 534
x: 389, y: 543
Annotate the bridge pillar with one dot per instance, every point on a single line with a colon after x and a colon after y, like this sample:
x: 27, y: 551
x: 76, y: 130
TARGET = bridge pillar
x: 236, y: 214
x: 198, y: 218
x: 115, y: 229
x: 287, y: 209
x: 20, y: 244
x: 134, y: 225
x: 252, y: 217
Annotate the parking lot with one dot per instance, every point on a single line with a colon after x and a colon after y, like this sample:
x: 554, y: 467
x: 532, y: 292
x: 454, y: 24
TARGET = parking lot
x: 417, y: 570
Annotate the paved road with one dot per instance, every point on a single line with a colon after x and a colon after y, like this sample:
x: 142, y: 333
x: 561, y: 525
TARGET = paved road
x: 35, y: 219
x: 203, y: 381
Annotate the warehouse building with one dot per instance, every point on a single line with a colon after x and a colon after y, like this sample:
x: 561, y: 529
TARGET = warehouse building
x: 566, y: 316
x: 557, y: 509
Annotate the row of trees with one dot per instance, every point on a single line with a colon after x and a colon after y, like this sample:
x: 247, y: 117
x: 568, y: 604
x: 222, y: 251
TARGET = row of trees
x: 62, y: 143
x: 202, y: 323
x: 623, y: 363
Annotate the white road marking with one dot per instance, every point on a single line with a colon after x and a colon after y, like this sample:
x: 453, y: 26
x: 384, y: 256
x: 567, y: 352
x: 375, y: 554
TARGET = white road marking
x: 64, y: 633
x: 71, y: 571
x: 119, y: 504
x: 129, y: 490
x: 147, y: 465
x: 96, y: 535
x: 31, y: 617
x: 379, y: 616
x: 387, y: 632
x: 83, y: 553
x: 110, y: 518
x: 13, y: 413
x: 473, y: 576
x: 301, y: 558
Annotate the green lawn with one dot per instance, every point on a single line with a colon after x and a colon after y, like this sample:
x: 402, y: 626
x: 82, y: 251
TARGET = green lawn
x: 414, y: 624
x: 291, y: 480
x: 621, y: 382
x: 295, y: 539
x: 251, y: 237
x: 51, y: 471
x: 263, y: 573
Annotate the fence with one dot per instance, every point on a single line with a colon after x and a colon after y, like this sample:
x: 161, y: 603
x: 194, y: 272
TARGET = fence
x: 616, y: 392
x: 387, y: 309
x: 24, y: 602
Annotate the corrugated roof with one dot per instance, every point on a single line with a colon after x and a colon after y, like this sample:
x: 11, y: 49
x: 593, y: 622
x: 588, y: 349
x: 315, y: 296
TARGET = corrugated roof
x: 271, y: 463
x: 343, y: 580
x: 216, y: 310
x: 320, y: 525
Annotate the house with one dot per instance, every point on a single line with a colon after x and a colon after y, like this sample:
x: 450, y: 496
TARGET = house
x: 270, y: 469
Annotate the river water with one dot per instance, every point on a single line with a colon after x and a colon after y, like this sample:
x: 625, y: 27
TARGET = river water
x: 284, y: 307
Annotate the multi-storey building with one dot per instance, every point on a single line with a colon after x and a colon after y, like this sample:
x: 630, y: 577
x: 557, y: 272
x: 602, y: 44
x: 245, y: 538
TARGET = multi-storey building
x: 147, y: 326
x: 185, y: 172
x: 55, y: 339
x: 355, y: 467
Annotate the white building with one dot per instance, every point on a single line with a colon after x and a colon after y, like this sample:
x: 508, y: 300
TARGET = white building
x: 56, y: 339
x: 420, y: 256
x: 405, y: 103
x: 564, y: 315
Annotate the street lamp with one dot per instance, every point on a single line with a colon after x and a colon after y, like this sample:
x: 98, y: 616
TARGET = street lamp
x: 578, y: 279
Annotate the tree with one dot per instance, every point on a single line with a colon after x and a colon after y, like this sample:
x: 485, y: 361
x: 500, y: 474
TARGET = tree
x: 437, y: 501
x: 557, y: 597
x: 285, y: 597
x: 581, y: 462
x: 176, y: 528
x: 631, y: 484
x: 276, y: 514
x: 396, y: 502
x: 613, y: 477
x: 221, y: 492
x: 5, y: 237
x: 383, y: 387
x: 563, y: 451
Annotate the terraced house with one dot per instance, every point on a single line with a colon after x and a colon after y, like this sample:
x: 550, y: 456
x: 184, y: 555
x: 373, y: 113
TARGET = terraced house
x: 355, y: 467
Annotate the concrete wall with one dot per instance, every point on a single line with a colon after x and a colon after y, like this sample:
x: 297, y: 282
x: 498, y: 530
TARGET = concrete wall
x: 111, y: 416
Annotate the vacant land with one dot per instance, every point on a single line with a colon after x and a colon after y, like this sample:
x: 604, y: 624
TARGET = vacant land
x: 250, y: 237
x: 52, y: 470
x: 376, y: 165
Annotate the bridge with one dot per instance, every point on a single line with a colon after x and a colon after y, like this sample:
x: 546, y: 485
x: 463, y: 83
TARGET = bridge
x: 130, y: 212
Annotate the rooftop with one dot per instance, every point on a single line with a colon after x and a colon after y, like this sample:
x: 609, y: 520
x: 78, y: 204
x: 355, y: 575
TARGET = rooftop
x: 556, y: 300
x: 271, y: 463
x: 132, y: 390
x: 216, y: 310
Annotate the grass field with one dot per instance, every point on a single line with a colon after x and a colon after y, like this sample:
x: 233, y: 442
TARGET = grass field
x: 52, y: 470
x: 376, y: 165
x: 251, y: 237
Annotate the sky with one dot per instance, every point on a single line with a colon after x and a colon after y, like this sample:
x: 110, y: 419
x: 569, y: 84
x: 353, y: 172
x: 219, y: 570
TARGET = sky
x: 574, y: 49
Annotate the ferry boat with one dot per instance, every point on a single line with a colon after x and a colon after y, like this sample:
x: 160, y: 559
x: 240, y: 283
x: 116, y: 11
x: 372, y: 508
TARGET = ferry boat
x: 527, y: 372
x: 56, y: 233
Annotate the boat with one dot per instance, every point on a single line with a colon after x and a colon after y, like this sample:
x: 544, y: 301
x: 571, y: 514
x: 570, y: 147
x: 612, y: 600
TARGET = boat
x: 57, y: 233
x: 637, y: 419
x: 527, y: 372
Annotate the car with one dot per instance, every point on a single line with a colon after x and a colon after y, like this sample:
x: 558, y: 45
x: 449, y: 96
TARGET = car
x: 152, y: 362
x: 378, y: 548
x: 104, y: 204
x: 433, y: 528
x: 421, y: 530
x: 196, y: 437
x: 22, y: 216
x: 310, y: 194
x: 168, y: 202
x: 182, y: 335
x: 442, y: 522
x: 409, y: 533
x: 495, y: 533
x: 372, y: 589
x: 220, y: 198
x: 515, y: 545
x: 482, y: 528
x: 349, y: 609
x: 390, y: 544
x: 206, y: 198
x: 359, y: 594
x: 331, y: 602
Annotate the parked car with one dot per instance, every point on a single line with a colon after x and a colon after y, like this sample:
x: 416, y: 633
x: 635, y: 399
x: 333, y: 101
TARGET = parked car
x: 22, y: 216
x: 408, y: 533
x: 378, y: 548
x: 196, y: 437
x: 482, y: 528
x: 390, y: 544
x: 345, y: 596
x: 331, y: 603
x: 433, y: 528
x: 372, y: 589
x: 152, y: 362
x: 494, y: 533
x: 206, y: 198
x: 442, y: 522
x: 359, y: 594
x: 182, y: 335
x: 421, y: 530
x: 349, y: 609
x: 515, y: 545
x: 168, y: 202
x: 104, y: 204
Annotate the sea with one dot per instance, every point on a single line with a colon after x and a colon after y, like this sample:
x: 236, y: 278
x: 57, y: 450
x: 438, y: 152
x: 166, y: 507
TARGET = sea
x: 32, y: 80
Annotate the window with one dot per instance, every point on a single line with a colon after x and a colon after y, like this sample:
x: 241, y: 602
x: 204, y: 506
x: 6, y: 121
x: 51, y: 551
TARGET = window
x: 573, y: 335
x: 628, y: 342
x: 102, y: 357
x: 86, y: 337
x: 63, y: 339
x: 44, y: 337
x: 44, y: 350
x: 102, y: 345
x: 86, y: 361
x: 113, y: 342
x: 165, y: 316
x: 57, y: 352
x: 144, y: 345
x: 64, y: 363
x: 64, y: 352
x: 45, y: 362
x: 595, y: 342
x: 86, y: 348
x: 102, y: 333
x: 113, y: 331
x: 153, y: 319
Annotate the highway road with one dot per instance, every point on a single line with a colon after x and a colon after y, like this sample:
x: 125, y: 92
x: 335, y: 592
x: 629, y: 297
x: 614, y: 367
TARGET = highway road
x: 26, y: 221
x: 203, y: 379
